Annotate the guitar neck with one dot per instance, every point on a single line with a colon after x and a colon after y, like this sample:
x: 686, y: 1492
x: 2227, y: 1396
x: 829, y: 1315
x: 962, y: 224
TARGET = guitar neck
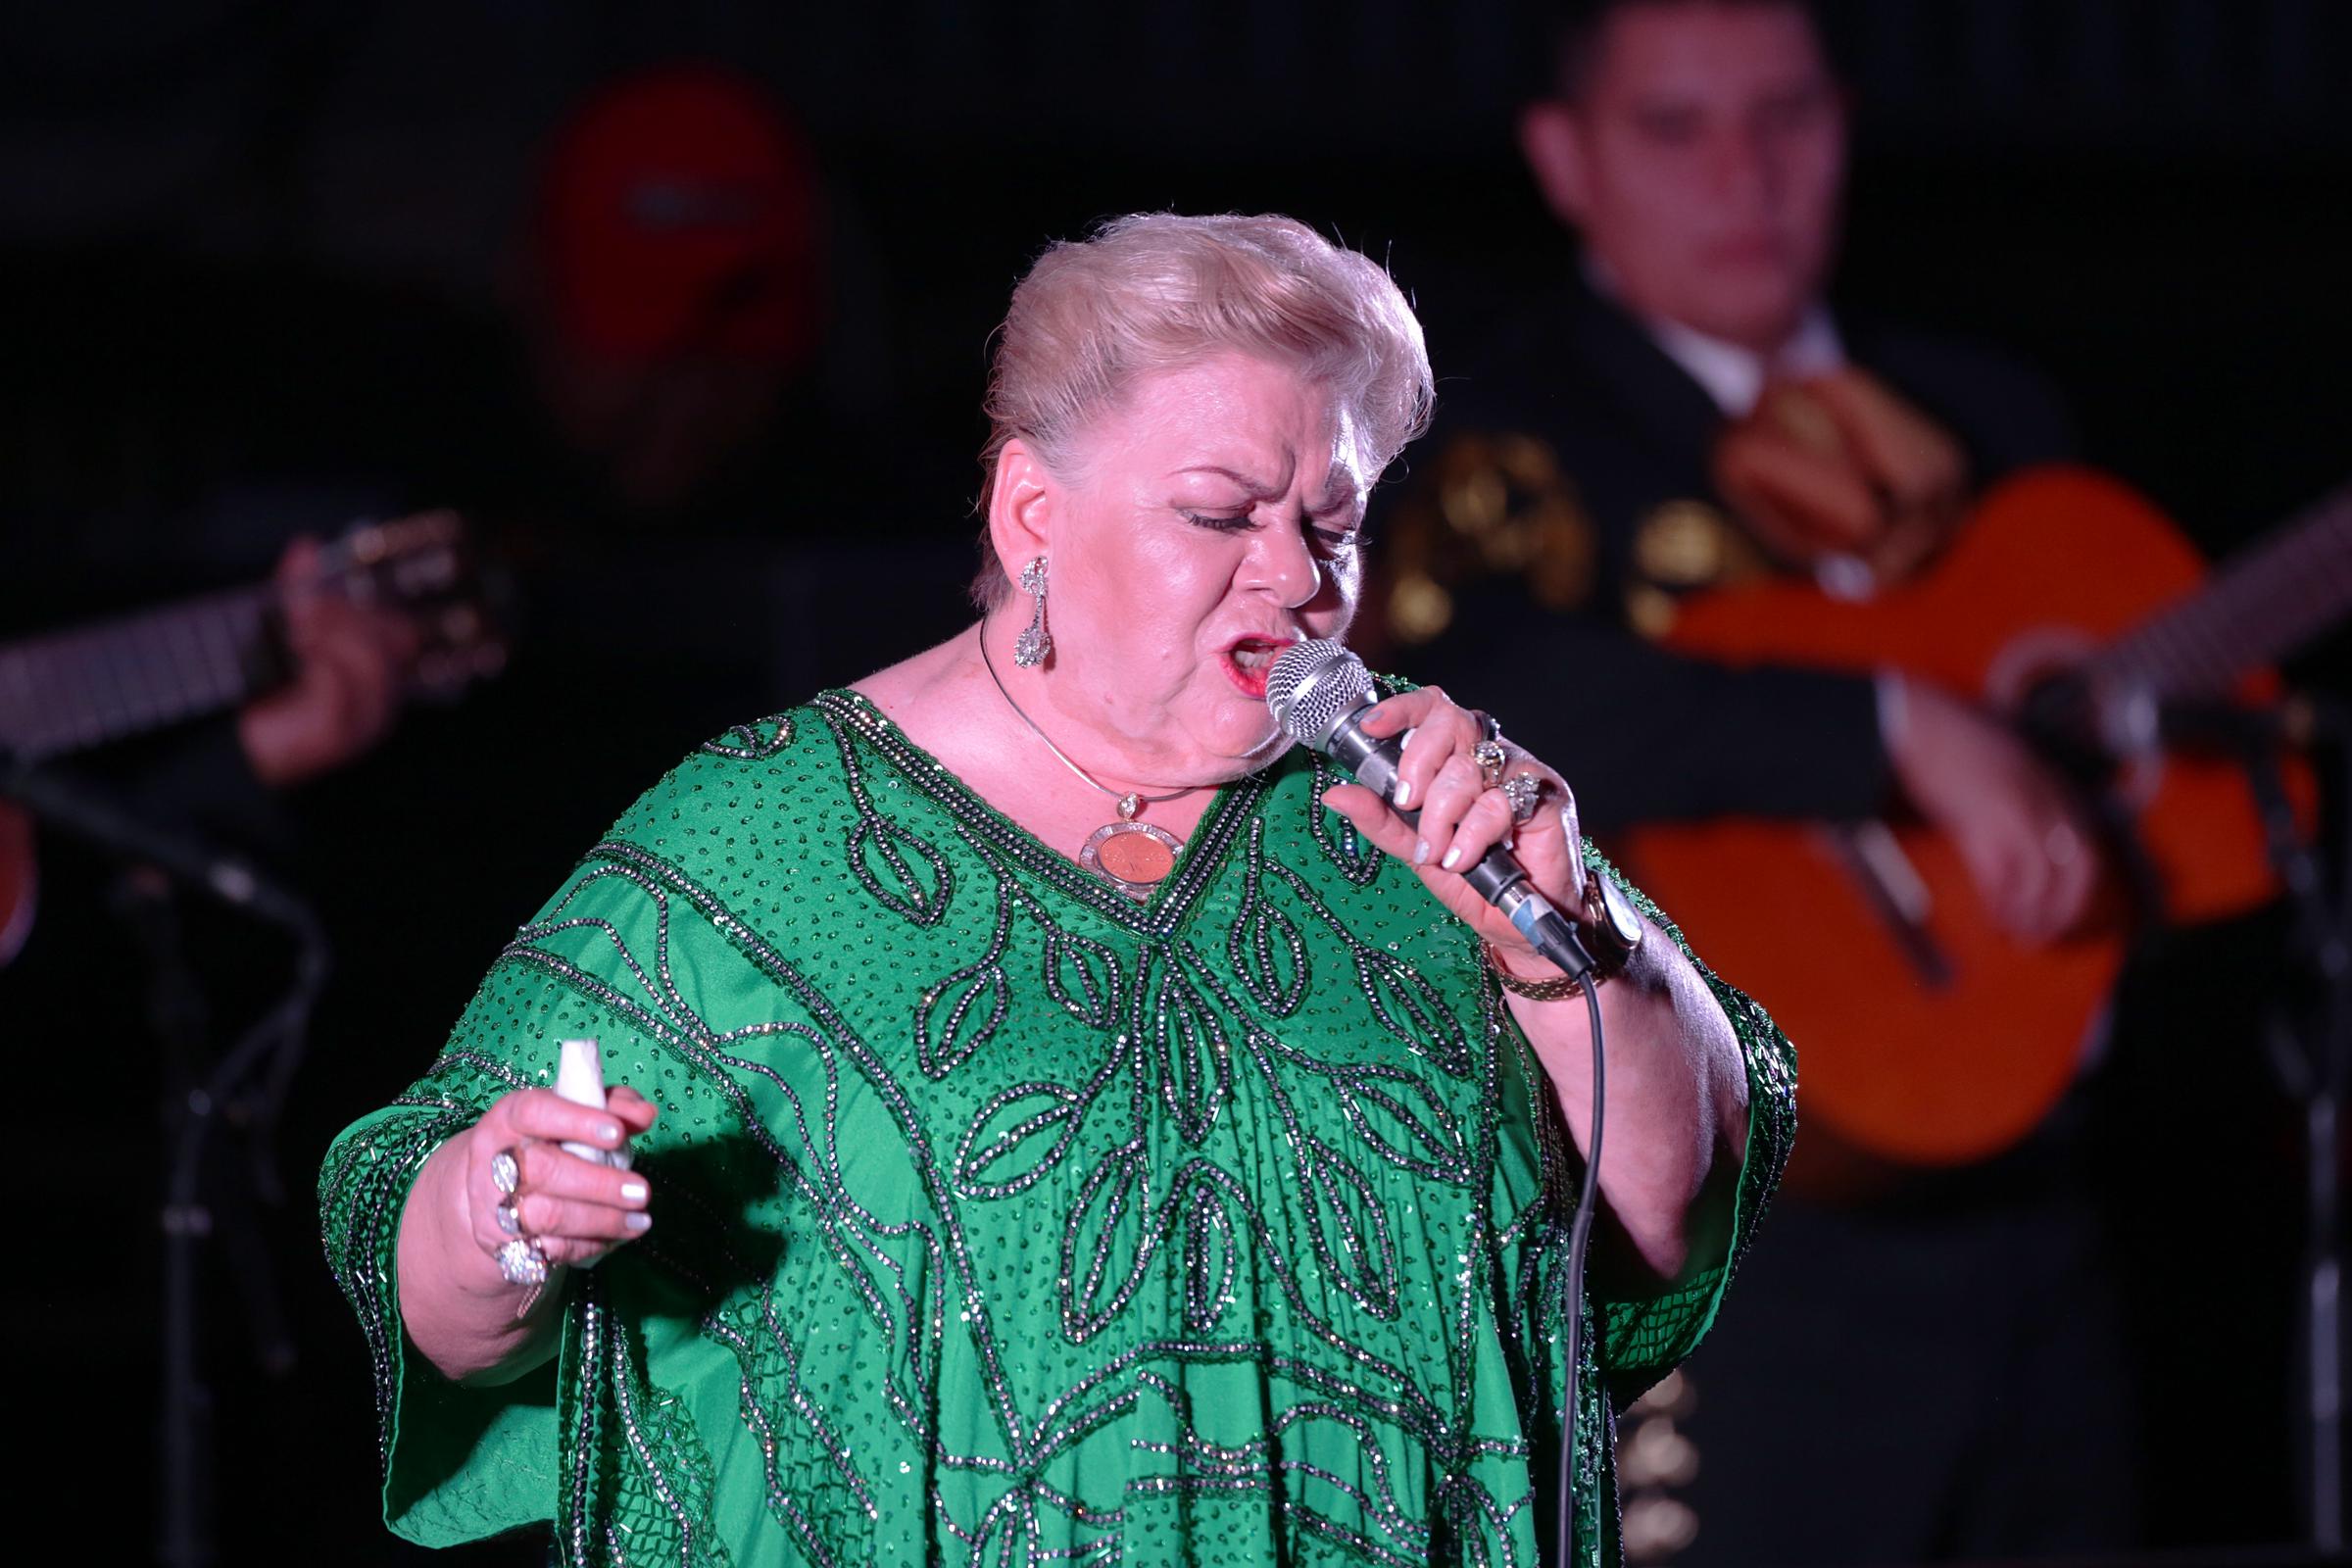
x: 87, y: 686
x: 2259, y: 609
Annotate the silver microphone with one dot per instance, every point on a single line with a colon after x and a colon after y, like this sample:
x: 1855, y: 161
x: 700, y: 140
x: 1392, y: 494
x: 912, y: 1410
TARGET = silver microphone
x: 1318, y: 692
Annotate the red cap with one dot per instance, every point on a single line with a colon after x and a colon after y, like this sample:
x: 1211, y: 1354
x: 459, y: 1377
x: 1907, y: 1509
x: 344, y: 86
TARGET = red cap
x: 678, y: 212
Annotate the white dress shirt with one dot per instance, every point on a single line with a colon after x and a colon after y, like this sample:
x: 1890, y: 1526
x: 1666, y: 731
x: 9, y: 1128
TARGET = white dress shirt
x: 1735, y: 377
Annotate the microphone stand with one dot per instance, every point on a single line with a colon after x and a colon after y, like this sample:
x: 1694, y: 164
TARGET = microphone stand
x: 2310, y: 1038
x: 246, y: 1086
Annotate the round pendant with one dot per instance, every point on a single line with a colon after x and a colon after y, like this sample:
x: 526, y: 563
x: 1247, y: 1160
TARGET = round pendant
x: 1132, y: 857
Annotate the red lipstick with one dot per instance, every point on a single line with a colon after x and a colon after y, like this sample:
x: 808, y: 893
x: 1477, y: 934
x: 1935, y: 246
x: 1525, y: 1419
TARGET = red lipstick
x: 1246, y: 660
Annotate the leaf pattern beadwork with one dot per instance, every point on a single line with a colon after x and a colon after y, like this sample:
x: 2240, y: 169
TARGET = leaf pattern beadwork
x: 896, y: 884
x: 956, y: 1016
x: 1264, y: 947
x: 1348, y: 851
x: 1189, y: 1044
x: 1013, y: 1159
x: 1082, y: 974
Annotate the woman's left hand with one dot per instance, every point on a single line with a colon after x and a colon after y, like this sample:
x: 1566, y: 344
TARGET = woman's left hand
x: 1462, y: 817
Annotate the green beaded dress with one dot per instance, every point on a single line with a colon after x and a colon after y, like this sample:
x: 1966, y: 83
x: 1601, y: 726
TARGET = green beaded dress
x: 1002, y: 1219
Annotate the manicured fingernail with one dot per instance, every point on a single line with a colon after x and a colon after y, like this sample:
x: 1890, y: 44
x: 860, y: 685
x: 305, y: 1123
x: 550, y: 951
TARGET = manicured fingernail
x: 632, y: 1192
x: 609, y: 1131
x: 639, y: 1221
x: 1452, y: 856
x: 1405, y: 793
x: 1421, y: 852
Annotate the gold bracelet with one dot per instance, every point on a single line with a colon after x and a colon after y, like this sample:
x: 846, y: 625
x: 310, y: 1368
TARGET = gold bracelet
x: 1551, y: 989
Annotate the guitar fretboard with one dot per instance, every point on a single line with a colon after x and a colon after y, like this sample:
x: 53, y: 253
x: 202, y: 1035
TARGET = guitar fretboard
x: 124, y: 678
x: 2258, y: 608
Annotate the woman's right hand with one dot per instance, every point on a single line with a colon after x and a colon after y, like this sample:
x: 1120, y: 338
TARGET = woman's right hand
x: 456, y: 1302
x: 575, y: 1208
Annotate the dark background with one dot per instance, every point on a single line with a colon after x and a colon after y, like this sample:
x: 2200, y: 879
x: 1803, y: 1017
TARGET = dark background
x: 258, y: 271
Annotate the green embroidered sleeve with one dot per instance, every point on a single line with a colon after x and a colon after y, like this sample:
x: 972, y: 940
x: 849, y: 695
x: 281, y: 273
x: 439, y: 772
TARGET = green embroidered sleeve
x: 462, y: 1462
x: 1643, y: 1339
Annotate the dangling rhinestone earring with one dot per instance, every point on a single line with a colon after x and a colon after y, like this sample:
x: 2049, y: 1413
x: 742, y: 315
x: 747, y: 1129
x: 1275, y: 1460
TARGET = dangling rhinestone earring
x: 1034, y: 643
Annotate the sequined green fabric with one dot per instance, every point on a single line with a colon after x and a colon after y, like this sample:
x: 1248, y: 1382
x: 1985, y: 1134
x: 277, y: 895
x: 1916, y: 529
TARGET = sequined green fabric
x: 1003, y: 1219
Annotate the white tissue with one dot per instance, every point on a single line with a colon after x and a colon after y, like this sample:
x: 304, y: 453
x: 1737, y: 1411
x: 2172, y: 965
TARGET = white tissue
x: 580, y: 1079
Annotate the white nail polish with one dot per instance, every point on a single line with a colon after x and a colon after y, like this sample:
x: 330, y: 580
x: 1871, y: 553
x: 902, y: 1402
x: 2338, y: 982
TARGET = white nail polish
x: 638, y: 1222
x: 1452, y: 857
x: 1421, y: 852
x: 632, y: 1192
x: 1405, y: 793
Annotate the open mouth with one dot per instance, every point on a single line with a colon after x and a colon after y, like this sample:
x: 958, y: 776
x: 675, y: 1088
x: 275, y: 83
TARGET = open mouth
x: 1248, y: 661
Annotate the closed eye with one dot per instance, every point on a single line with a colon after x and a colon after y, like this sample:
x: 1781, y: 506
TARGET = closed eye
x: 1330, y: 541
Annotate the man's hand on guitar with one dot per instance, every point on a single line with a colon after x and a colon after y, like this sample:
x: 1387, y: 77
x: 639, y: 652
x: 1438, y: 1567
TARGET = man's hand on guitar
x: 1838, y: 465
x: 351, y: 663
x: 2034, y: 862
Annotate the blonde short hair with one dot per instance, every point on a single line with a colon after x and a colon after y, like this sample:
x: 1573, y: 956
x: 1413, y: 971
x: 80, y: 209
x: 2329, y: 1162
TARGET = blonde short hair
x: 1157, y: 291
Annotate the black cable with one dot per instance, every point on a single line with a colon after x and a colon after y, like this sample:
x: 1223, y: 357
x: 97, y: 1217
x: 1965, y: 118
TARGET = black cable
x: 1580, y: 1232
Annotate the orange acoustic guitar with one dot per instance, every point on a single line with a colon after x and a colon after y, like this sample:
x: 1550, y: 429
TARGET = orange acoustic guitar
x: 1928, y: 1037
x: 73, y: 689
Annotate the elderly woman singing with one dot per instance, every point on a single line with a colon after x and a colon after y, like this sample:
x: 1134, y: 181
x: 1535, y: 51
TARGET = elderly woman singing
x: 1070, y: 1121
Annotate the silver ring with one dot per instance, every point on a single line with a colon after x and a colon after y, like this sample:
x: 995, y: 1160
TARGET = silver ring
x: 1525, y: 792
x: 521, y: 1261
x: 1492, y: 758
x: 508, y: 1220
x: 506, y: 1172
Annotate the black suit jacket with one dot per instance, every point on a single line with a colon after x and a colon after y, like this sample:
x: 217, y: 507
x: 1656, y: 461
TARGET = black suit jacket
x: 1644, y: 734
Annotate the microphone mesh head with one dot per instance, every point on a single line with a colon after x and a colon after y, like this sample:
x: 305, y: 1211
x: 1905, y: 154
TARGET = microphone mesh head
x: 1312, y: 686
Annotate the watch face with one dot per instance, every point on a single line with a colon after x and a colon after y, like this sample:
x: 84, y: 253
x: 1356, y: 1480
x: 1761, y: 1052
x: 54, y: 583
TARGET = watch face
x: 1624, y: 920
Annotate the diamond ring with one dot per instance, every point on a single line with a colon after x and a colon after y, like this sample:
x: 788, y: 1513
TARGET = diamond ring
x: 521, y: 1261
x: 1525, y: 792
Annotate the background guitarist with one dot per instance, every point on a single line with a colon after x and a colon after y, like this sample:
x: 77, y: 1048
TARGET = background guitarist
x: 347, y: 664
x: 347, y: 669
x: 1936, y: 1372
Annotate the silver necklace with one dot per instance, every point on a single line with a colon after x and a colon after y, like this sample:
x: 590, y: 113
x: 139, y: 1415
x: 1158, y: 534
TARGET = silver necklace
x: 1131, y: 856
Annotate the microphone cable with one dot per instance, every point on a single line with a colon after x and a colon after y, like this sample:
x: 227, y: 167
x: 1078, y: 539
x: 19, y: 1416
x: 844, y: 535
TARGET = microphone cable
x: 1580, y: 1234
